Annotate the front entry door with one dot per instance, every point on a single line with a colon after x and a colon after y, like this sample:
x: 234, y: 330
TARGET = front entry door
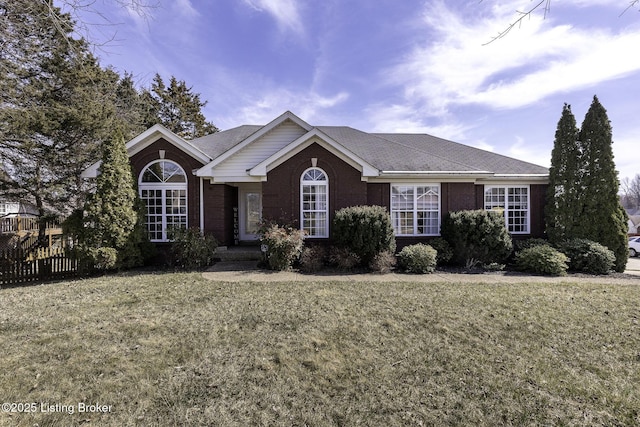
x: 250, y: 212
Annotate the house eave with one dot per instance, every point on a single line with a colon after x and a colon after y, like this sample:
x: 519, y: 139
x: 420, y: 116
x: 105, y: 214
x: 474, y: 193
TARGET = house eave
x: 538, y: 177
x: 436, y: 174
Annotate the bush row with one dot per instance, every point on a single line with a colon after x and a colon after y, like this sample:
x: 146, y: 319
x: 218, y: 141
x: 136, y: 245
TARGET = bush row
x: 579, y: 255
x: 363, y: 239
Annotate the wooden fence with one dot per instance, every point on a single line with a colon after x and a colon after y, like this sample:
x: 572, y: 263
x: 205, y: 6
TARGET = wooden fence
x: 18, y: 266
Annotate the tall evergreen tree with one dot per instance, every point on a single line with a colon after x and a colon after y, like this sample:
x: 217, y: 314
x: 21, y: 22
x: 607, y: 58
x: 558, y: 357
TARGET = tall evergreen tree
x: 110, y: 213
x: 564, y: 173
x: 54, y: 107
x: 179, y: 109
x: 602, y: 218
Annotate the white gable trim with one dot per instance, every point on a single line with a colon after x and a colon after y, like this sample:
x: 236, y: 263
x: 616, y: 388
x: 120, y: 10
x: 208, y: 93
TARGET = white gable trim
x: 147, y: 138
x: 205, y: 171
x: 311, y: 137
x: 158, y: 131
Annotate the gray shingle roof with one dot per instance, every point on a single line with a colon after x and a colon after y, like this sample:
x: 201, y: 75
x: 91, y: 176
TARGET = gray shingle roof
x: 422, y: 152
x: 471, y: 157
x: 217, y: 143
x: 392, y: 151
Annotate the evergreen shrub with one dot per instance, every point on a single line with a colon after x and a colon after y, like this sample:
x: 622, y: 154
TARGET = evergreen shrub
x: 418, y: 258
x: 519, y: 245
x: 445, y: 252
x: 190, y: 248
x: 477, y: 236
x: 365, y: 230
x: 100, y: 259
x: 588, y: 256
x: 283, y: 244
x: 542, y: 259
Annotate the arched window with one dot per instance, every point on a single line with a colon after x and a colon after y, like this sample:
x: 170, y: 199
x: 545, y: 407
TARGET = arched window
x: 314, y: 202
x: 163, y: 188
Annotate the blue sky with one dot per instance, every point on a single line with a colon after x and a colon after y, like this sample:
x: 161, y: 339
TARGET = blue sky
x: 393, y: 66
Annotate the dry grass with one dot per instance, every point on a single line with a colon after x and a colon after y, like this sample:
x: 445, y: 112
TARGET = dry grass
x: 174, y: 349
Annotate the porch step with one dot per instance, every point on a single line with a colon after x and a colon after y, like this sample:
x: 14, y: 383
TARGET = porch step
x: 239, y: 253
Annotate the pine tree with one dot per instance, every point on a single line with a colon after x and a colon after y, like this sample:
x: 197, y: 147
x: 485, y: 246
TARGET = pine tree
x: 178, y: 108
x: 110, y: 214
x: 563, y: 191
x: 602, y: 217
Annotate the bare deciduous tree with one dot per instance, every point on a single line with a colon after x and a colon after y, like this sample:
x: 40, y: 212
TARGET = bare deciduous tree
x: 545, y: 5
x: 631, y: 192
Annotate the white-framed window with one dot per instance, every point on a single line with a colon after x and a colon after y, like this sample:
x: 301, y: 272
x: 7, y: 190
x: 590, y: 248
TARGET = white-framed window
x: 314, y: 203
x: 514, y: 202
x: 163, y: 188
x: 415, y: 209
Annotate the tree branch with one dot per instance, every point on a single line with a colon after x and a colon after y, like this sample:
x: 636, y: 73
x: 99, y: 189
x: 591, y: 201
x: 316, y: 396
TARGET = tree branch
x: 547, y: 9
x: 523, y: 15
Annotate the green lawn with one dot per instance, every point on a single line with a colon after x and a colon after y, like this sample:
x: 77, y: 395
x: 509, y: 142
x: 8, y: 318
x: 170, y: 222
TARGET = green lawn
x: 175, y: 349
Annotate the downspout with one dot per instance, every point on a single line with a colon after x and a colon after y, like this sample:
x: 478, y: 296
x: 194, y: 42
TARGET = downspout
x: 201, y: 205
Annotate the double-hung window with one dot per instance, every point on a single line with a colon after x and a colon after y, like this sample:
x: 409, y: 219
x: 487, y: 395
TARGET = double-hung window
x: 415, y: 209
x: 514, y: 202
x: 314, y: 201
x: 163, y: 189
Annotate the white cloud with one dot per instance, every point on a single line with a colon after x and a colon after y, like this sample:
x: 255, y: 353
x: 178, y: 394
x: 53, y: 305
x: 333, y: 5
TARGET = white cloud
x: 450, y: 66
x: 308, y: 106
x: 285, y: 12
x: 523, y: 150
x: 405, y: 119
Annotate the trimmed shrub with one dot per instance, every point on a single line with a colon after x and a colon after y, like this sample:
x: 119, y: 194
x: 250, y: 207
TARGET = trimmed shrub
x: 312, y: 259
x: 477, y: 236
x: 284, y: 245
x: 445, y: 252
x: 519, y: 245
x: 383, y: 263
x: 100, y: 259
x: 190, y: 248
x: 365, y: 230
x: 418, y: 258
x: 542, y: 259
x: 588, y: 256
x: 343, y: 258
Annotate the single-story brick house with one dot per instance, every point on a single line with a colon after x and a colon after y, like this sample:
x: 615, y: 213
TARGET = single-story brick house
x: 289, y: 170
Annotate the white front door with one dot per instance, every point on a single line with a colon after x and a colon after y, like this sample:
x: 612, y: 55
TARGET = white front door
x: 250, y: 210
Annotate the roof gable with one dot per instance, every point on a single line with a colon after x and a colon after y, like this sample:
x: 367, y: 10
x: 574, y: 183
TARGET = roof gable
x: 207, y: 170
x: 314, y: 136
x: 148, y: 137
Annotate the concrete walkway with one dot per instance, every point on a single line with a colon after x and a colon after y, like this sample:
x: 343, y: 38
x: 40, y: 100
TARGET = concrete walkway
x: 248, y: 271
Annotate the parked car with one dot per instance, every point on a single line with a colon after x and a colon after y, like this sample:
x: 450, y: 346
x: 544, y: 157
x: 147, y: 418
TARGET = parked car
x: 634, y: 246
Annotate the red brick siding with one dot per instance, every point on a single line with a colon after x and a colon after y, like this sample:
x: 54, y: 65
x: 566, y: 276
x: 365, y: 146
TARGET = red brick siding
x: 188, y: 163
x: 457, y: 196
x: 379, y: 195
x: 281, y: 190
x: 538, y: 200
x: 219, y: 202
